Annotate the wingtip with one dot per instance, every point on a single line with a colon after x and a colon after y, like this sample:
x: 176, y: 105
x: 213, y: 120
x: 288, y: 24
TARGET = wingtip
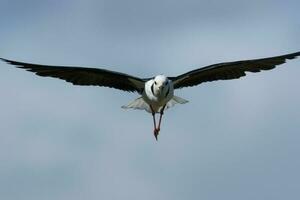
x: 6, y: 60
x: 294, y: 55
x: 12, y: 62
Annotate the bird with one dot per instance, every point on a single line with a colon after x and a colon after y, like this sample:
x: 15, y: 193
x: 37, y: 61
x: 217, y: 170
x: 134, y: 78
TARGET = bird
x: 157, y: 92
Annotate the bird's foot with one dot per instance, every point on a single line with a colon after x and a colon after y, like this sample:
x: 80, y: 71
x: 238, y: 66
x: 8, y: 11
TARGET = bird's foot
x: 156, y: 132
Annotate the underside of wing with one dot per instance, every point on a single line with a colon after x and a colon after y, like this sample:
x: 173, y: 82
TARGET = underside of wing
x: 85, y: 76
x: 229, y: 70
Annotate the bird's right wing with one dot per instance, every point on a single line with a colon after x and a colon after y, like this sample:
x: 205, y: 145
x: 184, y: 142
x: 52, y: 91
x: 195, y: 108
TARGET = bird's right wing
x: 85, y: 76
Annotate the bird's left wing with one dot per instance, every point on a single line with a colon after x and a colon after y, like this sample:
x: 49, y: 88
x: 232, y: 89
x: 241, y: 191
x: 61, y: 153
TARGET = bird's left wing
x: 85, y: 76
x: 229, y: 70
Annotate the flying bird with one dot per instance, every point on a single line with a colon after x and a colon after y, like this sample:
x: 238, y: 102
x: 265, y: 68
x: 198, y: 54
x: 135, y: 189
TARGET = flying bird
x: 156, y: 93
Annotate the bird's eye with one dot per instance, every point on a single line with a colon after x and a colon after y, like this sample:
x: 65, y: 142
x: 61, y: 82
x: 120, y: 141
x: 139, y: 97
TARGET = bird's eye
x: 155, y: 82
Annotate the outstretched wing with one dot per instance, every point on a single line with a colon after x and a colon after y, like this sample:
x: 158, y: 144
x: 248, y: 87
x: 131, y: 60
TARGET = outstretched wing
x: 85, y: 76
x: 229, y: 70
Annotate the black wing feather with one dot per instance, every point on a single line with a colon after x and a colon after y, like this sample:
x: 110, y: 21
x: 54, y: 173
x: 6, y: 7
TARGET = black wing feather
x: 85, y: 76
x: 229, y: 70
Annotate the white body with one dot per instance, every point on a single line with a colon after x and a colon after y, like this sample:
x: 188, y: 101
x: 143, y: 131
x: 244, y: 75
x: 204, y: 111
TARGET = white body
x: 159, y: 97
x: 157, y: 93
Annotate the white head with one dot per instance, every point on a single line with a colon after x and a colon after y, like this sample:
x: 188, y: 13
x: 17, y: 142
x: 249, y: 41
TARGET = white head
x: 160, y: 85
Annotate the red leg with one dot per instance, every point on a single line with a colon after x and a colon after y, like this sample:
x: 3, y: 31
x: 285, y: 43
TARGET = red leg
x: 160, y: 117
x: 154, y: 123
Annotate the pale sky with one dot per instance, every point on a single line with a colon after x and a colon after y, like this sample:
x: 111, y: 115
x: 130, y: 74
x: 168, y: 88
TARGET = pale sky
x: 234, y: 140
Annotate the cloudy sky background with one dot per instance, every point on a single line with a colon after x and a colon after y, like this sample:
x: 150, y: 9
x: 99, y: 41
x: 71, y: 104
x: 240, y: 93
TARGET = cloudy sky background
x: 235, y: 139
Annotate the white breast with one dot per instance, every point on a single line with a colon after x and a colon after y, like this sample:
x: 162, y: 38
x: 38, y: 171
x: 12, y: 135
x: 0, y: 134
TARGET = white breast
x: 160, y: 100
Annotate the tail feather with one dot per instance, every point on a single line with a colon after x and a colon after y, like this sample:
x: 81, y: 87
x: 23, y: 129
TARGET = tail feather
x: 180, y: 100
x: 175, y: 100
x: 140, y: 104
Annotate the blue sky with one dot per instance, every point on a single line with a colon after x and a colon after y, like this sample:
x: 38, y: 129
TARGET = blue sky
x: 235, y: 139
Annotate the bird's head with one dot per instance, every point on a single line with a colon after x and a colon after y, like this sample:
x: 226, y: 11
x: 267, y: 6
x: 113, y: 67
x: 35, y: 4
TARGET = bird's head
x: 161, y: 84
